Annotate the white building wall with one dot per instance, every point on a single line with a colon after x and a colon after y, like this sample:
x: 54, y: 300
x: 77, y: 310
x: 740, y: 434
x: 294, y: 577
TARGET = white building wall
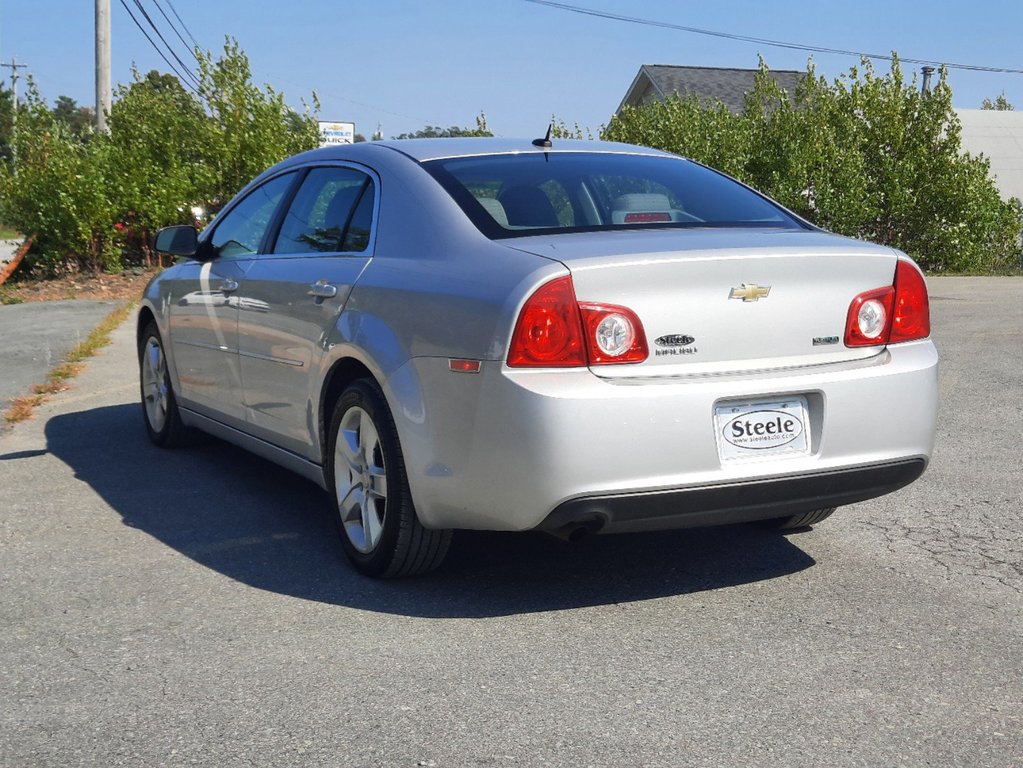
x: 999, y: 137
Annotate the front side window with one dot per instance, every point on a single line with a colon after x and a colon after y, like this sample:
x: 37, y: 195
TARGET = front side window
x: 332, y: 212
x: 241, y: 229
x: 517, y: 195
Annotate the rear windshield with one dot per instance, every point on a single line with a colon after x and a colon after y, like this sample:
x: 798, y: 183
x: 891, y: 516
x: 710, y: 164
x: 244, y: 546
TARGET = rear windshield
x: 538, y: 193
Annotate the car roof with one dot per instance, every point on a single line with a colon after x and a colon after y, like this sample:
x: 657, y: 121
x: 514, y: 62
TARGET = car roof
x: 422, y: 150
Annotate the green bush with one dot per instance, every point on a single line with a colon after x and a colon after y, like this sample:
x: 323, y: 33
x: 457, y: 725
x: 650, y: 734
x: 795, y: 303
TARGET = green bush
x: 57, y: 191
x: 868, y: 156
x: 93, y: 200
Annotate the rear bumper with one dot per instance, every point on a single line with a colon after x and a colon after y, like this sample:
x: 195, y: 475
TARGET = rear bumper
x: 518, y: 449
x: 731, y: 503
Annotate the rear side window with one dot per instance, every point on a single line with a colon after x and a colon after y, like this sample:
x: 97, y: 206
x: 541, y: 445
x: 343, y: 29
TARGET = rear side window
x: 533, y: 193
x: 332, y: 212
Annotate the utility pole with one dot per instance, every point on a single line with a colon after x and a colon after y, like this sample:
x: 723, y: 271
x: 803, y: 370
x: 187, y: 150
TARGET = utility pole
x: 103, y: 96
x: 925, y: 86
x: 14, y: 67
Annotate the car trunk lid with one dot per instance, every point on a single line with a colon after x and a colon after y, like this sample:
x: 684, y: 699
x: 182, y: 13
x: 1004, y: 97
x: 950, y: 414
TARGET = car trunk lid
x: 716, y: 301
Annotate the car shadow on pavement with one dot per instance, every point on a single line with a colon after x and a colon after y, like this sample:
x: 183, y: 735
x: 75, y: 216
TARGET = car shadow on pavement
x: 264, y: 526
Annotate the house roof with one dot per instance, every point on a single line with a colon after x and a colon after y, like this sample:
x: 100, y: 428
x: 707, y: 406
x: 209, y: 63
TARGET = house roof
x: 999, y: 137
x: 729, y: 86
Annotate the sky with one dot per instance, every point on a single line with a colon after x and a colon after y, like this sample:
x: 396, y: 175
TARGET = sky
x: 400, y: 65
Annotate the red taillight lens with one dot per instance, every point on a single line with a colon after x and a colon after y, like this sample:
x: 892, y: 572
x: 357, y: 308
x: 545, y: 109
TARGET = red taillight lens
x: 549, y: 332
x: 555, y: 331
x: 613, y: 334
x: 912, y: 314
x: 888, y: 315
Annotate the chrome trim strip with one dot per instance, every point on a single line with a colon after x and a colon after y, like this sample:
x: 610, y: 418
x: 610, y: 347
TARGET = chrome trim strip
x: 200, y: 345
x: 883, y: 357
x: 272, y: 359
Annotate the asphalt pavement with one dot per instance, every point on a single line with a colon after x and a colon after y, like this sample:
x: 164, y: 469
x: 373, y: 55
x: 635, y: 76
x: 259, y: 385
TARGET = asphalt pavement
x: 191, y: 607
x: 35, y: 336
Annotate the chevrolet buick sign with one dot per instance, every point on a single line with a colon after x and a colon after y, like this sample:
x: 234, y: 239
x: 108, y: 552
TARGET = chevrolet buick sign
x: 336, y: 133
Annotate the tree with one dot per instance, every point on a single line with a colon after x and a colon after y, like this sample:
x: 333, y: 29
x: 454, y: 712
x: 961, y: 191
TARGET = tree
x: 78, y: 120
x: 867, y: 155
x: 58, y: 192
x: 1000, y: 104
x: 92, y: 204
x: 160, y: 145
x: 709, y: 134
x: 560, y: 130
x: 253, y: 127
x: 436, y: 132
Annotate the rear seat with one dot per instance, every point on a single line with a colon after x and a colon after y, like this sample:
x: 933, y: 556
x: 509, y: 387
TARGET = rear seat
x: 495, y: 209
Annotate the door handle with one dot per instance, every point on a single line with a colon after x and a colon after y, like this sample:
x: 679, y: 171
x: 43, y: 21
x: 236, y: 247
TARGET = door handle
x: 321, y: 289
x: 228, y: 285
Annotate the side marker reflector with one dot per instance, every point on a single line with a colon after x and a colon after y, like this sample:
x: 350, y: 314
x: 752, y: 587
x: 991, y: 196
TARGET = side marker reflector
x: 464, y: 366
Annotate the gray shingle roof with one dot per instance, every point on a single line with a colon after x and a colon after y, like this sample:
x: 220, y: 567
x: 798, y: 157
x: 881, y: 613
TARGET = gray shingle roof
x: 728, y: 86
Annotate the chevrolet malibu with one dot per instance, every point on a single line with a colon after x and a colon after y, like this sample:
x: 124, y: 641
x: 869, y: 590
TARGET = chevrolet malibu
x: 572, y: 337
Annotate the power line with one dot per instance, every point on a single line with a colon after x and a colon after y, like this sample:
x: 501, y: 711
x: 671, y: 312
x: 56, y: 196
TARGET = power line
x: 171, y: 25
x: 185, y: 67
x: 764, y: 40
x: 183, y: 80
x: 320, y: 92
x: 176, y: 16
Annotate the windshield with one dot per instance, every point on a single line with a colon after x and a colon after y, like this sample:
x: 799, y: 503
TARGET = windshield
x: 544, y: 193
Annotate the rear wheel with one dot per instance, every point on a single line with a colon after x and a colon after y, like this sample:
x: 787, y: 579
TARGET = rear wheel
x: 380, y: 531
x: 159, y: 406
x: 801, y: 520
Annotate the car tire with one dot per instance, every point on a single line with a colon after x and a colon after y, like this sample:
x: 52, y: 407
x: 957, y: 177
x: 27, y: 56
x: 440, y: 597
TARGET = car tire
x: 159, y: 405
x: 803, y: 520
x: 365, y: 471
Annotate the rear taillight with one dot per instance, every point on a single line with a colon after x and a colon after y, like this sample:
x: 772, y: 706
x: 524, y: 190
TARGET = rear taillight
x: 912, y: 317
x: 895, y: 313
x: 613, y: 334
x: 555, y: 331
x: 869, y: 317
x: 549, y: 332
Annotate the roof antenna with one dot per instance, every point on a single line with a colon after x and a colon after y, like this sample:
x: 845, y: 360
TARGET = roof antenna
x: 546, y: 140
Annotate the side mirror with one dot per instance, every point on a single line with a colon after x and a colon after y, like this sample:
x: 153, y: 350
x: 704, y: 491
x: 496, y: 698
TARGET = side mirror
x: 177, y: 241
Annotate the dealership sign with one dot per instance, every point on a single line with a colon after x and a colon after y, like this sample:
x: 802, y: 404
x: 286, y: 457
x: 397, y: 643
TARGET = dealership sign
x: 336, y: 133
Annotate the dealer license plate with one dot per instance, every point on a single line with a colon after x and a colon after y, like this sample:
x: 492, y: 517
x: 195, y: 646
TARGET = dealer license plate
x: 762, y: 429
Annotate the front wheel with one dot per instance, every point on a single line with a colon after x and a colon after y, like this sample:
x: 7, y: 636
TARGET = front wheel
x: 159, y: 406
x: 380, y: 531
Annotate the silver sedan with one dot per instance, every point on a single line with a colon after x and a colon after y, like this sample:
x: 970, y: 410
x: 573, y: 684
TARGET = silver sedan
x: 575, y: 337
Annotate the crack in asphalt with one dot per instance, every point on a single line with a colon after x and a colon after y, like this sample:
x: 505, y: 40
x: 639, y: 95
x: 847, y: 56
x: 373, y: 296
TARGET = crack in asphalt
x: 964, y: 539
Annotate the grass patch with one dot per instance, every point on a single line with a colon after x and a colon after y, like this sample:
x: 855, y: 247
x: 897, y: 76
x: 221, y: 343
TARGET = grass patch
x: 66, y: 371
x: 22, y: 407
x: 100, y: 335
x: 58, y: 379
x: 10, y: 298
x: 7, y: 233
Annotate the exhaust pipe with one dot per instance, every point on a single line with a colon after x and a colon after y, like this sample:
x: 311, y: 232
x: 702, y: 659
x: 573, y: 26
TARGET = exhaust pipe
x: 577, y: 531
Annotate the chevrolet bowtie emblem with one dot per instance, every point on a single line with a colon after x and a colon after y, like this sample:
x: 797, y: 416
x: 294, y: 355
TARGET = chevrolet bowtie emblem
x: 750, y: 292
